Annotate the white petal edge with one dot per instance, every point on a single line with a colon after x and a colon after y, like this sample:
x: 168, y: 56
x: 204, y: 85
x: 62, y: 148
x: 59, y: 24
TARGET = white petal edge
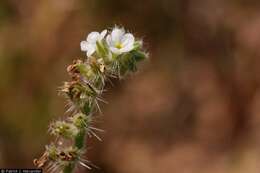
x: 91, y: 50
x: 117, y: 34
x: 84, y: 45
x: 127, y: 39
x: 93, y: 37
x: 102, y: 35
x: 115, y: 50
x: 127, y: 48
x: 109, y: 41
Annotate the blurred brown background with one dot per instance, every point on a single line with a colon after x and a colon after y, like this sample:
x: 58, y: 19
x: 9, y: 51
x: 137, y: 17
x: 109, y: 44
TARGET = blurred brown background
x: 192, y: 108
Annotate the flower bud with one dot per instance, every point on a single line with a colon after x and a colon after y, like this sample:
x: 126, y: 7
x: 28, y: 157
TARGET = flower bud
x: 62, y: 128
x: 80, y: 120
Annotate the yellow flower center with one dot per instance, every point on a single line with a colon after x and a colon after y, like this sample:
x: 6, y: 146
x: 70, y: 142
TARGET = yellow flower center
x: 118, y: 45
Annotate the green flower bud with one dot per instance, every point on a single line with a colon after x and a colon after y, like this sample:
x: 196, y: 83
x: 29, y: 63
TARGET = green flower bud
x: 62, y: 128
x: 80, y: 120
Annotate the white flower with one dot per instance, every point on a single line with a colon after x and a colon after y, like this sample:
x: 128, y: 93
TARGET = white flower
x: 89, y: 45
x: 120, y: 42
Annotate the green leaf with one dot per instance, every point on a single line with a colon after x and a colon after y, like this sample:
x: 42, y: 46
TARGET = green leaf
x: 137, y: 45
x: 101, y: 51
x: 132, y: 65
x: 138, y: 55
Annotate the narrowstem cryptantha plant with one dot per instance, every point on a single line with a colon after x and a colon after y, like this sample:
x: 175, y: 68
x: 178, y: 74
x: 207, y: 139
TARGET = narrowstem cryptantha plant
x: 110, y: 54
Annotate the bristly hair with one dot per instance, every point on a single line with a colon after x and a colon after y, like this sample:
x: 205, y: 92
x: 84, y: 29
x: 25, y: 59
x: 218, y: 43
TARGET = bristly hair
x: 110, y: 55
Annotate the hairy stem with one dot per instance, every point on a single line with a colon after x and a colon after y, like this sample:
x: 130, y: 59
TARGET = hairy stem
x: 83, y: 92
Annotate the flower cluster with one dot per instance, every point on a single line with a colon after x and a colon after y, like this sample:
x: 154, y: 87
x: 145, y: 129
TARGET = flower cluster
x: 110, y: 54
x: 116, y: 49
x: 118, y: 42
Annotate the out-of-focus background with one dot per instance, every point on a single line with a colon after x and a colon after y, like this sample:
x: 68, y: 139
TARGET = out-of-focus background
x: 194, y: 107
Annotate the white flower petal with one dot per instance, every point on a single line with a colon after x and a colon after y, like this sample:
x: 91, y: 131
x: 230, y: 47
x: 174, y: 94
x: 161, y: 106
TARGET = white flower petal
x: 115, y: 50
x: 117, y: 34
x: 84, y: 45
x: 102, y: 35
x: 128, y: 39
x: 109, y: 40
x: 93, y: 37
x: 91, y: 50
x: 127, y: 48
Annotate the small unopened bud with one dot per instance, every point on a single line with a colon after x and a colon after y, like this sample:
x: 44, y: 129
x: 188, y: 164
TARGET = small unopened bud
x: 76, y: 91
x: 52, y: 152
x: 62, y: 128
x: 81, y: 120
